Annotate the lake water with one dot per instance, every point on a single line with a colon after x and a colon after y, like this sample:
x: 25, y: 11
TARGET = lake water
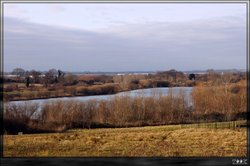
x: 133, y: 93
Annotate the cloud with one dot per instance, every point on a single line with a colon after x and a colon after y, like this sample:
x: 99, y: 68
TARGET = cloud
x: 55, y: 8
x: 217, y: 29
x: 202, y: 44
x: 12, y: 10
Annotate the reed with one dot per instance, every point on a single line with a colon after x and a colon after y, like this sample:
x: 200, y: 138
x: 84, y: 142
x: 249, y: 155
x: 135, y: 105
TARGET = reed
x: 210, y: 104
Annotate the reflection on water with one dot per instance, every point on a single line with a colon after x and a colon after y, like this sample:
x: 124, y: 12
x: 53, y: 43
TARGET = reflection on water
x: 134, y: 93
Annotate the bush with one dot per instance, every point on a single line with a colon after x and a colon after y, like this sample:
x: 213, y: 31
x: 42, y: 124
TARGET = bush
x: 209, y: 104
x: 225, y: 100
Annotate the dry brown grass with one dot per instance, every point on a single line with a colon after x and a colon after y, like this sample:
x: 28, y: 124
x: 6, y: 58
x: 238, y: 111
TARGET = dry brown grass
x: 229, y: 100
x: 210, y: 104
x: 171, y: 140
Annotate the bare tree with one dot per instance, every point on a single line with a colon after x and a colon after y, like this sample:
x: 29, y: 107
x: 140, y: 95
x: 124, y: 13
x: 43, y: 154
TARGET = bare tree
x: 19, y: 72
x: 36, y: 75
x: 50, y: 77
x: 53, y: 72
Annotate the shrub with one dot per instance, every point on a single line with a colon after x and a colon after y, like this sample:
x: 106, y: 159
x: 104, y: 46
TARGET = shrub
x: 217, y: 103
x: 225, y: 100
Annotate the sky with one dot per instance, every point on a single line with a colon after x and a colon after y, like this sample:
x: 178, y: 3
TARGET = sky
x: 124, y: 36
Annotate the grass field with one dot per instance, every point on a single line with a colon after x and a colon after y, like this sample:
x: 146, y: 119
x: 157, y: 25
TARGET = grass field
x: 170, y: 140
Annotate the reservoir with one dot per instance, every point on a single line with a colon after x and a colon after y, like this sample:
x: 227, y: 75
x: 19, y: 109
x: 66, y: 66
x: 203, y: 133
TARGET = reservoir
x: 133, y: 93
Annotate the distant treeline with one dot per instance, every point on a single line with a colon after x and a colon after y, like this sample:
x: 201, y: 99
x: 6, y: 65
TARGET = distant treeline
x: 55, y: 83
x: 215, y: 103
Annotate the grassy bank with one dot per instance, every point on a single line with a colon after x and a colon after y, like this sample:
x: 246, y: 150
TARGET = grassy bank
x: 168, y: 141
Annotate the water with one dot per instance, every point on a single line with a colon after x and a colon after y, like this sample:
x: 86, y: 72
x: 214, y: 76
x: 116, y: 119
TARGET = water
x: 144, y: 92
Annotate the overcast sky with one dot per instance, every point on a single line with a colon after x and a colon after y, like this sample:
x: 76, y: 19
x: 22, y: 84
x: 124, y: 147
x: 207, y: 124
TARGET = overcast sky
x: 124, y: 36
